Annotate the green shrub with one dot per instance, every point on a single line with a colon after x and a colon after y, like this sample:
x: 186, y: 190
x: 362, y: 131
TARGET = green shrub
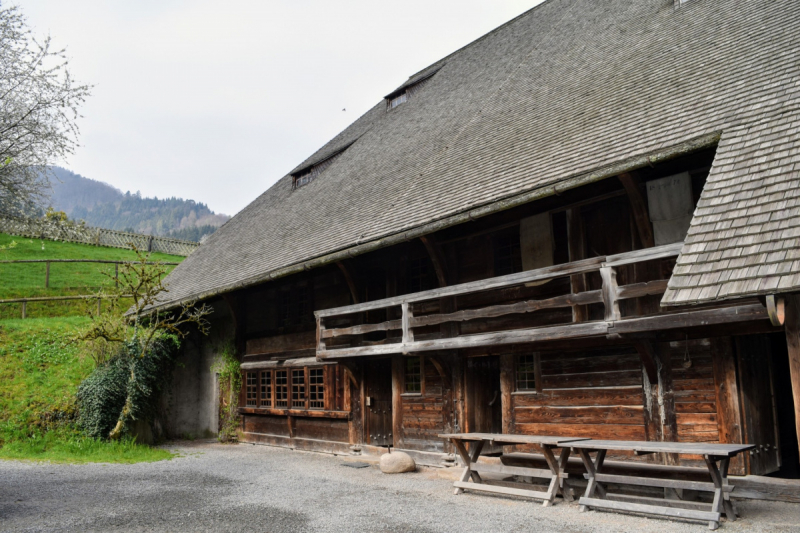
x: 127, y: 387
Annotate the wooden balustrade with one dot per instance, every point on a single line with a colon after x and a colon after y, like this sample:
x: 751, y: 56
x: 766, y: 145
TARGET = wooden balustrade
x: 609, y: 295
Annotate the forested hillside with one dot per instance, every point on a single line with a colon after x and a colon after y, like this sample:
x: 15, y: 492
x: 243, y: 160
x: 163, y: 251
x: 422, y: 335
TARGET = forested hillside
x: 102, y: 205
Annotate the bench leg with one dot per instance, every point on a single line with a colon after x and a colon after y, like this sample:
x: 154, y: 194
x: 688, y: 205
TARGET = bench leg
x: 716, y: 477
x: 562, y: 467
x: 555, y: 468
x: 468, y: 459
x: 730, y: 509
x: 592, y: 468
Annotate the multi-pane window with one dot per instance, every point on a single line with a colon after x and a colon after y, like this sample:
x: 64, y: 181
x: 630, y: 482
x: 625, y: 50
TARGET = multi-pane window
x: 299, y: 388
x: 413, y: 375
x: 507, y: 254
x: 281, y: 388
x: 251, y: 386
x: 316, y: 388
x: 526, y: 373
x: 265, y: 389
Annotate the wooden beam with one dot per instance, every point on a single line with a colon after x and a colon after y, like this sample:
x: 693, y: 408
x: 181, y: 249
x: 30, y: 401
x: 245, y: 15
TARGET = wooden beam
x: 437, y: 258
x: 792, y: 324
x: 349, y: 280
x: 648, y: 356
x: 576, y: 249
x: 666, y: 400
x: 729, y: 414
x: 397, y: 401
x: 633, y: 188
x: 506, y: 388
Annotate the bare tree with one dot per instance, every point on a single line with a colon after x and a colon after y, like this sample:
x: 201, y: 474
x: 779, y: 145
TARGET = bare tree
x: 39, y: 104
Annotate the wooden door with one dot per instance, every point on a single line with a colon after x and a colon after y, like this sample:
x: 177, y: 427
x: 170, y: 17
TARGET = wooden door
x: 378, y: 387
x: 484, y: 404
x: 754, y: 353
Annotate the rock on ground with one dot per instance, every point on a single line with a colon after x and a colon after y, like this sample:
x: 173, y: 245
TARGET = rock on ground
x: 397, y: 463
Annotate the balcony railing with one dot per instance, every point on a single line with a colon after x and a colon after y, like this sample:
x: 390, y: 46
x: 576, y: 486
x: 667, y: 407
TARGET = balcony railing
x: 410, y: 318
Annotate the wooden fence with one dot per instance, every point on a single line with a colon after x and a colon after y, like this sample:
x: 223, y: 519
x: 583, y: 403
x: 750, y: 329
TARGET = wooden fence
x: 104, y: 261
x: 24, y: 301
x: 71, y: 232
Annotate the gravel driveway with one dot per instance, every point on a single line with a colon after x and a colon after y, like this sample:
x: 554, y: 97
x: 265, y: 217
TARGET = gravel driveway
x: 212, y: 487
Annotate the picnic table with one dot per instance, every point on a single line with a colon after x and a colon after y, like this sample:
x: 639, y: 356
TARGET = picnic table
x: 716, y: 457
x: 473, y: 468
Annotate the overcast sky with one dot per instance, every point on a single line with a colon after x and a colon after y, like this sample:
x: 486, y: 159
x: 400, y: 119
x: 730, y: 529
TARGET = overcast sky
x: 215, y: 101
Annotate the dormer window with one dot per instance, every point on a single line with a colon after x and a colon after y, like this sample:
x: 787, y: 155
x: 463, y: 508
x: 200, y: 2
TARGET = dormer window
x: 399, y: 99
x: 402, y: 94
x: 308, y: 173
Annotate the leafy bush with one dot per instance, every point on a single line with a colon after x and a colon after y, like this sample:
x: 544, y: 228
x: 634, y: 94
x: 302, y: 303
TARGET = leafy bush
x: 230, y: 381
x: 127, y: 387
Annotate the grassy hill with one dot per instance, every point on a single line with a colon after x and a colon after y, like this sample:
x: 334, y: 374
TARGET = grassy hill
x: 19, y: 280
x: 40, y: 367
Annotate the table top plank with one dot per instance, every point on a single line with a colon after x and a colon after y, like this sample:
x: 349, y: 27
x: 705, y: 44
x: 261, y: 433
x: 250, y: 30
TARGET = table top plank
x: 503, y: 438
x: 695, y: 448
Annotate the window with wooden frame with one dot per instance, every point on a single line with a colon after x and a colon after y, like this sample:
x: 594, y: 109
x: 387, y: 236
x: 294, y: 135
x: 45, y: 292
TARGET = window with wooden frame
x: 528, y: 373
x: 265, y: 389
x: 296, y: 305
x: 299, y: 388
x: 251, y: 389
x: 281, y: 388
x: 412, y: 375
x: 316, y: 388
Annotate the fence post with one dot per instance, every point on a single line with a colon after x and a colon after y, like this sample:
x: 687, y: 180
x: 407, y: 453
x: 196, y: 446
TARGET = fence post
x: 24, y: 308
x: 47, y: 275
x: 116, y: 274
x: 98, y: 305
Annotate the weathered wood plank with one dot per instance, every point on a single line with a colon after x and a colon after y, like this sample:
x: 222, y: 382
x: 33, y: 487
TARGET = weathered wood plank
x: 637, y: 290
x: 673, y: 512
x: 467, y: 341
x: 645, y: 254
x: 511, y: 470
x: 502, y: 490
x: 706, y: 317
x: 703, y: 486
x: 792, y: 324
x: 609, y: 276
x: 586, y: 265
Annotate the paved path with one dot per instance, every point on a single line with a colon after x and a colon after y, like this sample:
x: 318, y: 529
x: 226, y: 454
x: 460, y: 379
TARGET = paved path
x: 241, y: 488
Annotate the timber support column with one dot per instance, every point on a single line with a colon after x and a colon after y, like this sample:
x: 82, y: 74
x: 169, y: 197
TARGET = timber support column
x: 793, y: 344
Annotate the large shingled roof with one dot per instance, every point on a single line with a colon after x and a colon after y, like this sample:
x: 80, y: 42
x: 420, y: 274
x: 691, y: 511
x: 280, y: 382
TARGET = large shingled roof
x: 570, y: 87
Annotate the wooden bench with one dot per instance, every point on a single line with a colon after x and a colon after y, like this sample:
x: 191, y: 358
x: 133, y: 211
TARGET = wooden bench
x: 473, y: 469
x: 716, y: 457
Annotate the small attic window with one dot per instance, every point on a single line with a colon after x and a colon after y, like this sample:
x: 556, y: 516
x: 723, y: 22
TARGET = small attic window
x: 407, y: 90
x: 306, y: 175
x: 397, y: 100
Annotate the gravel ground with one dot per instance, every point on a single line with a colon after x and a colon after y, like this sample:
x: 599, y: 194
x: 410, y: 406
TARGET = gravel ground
x: 212, y: 487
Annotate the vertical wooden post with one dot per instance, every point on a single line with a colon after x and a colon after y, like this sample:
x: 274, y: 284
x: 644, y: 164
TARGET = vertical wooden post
x: 397, y: 401
x: 47, y: 275
x: 98, y: 306
x: 609, y: 275
x: 320, y: 340
x: 506, y: 388
x: 408, y: 333
x: 24, y: 308
x: 729, y: 423
x: 666, y: 399
x: 116, y: 275
x: 576, y: 252
x: 793, y: 345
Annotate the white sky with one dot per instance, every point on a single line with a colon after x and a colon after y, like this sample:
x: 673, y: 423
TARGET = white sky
x: 215, y: 101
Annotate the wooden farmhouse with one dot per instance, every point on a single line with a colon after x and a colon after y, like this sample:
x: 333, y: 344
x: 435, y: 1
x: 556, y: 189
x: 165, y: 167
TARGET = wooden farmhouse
x: 584, y: 223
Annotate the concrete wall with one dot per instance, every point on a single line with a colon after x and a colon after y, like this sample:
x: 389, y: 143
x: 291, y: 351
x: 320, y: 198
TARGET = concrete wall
x: 192, y: 408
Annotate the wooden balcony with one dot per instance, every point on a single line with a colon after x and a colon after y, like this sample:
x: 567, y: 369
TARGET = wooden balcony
x: 582, y: 299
